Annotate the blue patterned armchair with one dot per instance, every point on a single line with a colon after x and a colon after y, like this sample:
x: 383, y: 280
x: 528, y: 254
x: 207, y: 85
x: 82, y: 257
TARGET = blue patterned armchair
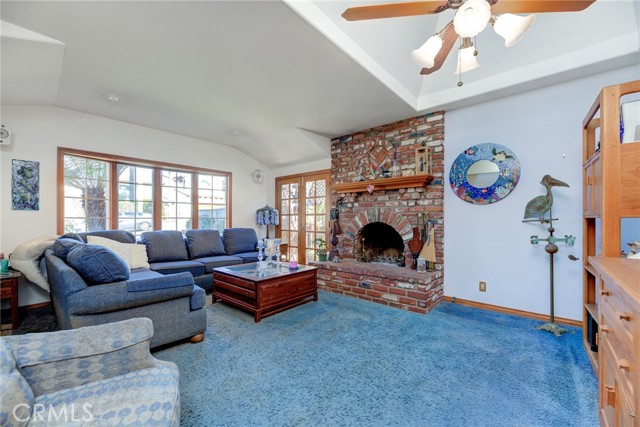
x: 96, y: 375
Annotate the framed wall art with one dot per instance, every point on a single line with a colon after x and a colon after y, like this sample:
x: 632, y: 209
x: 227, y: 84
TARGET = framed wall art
x: 25, y: 185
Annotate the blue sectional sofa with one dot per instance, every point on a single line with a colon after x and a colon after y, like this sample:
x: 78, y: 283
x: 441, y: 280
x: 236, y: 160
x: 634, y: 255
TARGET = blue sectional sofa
x: 91, y: 285
x: 199, y: 251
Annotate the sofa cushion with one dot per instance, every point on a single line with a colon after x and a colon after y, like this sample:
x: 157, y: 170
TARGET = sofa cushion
x: 165, y: 245
x: 117, y: 235
x: 193, y: 267
x: 16, y: 397
x: 116, y: 297
x: 218, y: 261
x: 238, y: 240
x: 160, y: 282
x: 248, y: 257
x: 97, y: 264
x: 63, y: 245
x: 204, y: 243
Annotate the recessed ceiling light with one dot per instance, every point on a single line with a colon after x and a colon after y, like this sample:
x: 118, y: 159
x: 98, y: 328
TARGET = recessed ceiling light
x: 111, y: 97
x: 235, y: 132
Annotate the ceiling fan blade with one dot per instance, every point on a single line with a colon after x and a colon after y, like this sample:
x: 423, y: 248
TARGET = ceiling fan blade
x: 393, y: 10
x: 538, y: 6
x: 448, y: 41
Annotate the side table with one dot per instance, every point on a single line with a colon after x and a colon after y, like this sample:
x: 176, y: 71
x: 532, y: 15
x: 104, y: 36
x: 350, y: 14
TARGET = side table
x: 9, y: 289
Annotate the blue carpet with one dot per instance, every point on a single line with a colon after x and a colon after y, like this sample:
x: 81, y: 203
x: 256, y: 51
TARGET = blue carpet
x: 346, y: 362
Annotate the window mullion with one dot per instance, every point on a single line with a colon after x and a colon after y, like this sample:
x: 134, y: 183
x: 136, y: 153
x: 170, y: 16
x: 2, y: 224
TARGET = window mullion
x: 115, y: 203
x: 157, y: 199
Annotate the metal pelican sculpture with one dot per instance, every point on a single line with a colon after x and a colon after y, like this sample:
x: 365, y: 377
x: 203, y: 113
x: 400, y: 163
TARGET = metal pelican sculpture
x: 539, y: 206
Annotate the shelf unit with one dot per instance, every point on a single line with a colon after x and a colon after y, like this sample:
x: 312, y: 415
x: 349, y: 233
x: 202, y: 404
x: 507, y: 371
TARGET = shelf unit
x: 611, y: 191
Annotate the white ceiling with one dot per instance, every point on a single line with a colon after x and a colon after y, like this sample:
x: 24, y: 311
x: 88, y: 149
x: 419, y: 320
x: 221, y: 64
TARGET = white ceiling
x: 286, y: 75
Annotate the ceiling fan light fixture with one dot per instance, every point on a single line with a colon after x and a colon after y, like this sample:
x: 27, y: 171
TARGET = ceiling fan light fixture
x: 471, y: 18
x: 425, y: 55
x: 512, y: 27
x: 467, y: 57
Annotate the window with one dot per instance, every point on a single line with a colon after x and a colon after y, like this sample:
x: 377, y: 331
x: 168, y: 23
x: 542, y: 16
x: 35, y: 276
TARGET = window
x: 147, y: 195
x: 135, y: 198
x: 86, y: 194
x: 176, y: 200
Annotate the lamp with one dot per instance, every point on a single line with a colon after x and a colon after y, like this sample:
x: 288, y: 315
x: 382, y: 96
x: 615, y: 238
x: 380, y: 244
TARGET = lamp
x: 467, y: 59
x: 512, y: 27
x: 425, y: 55
x: 267, y: 216
x: 471, y: 18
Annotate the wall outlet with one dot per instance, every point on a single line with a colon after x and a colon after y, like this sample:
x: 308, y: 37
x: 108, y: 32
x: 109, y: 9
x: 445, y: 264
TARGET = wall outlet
x: 482, y: 286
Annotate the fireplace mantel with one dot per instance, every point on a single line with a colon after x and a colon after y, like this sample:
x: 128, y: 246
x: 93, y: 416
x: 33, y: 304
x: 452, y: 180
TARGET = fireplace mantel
x: 413, y: 181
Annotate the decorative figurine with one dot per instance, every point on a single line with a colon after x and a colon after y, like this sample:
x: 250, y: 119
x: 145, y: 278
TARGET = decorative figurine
x: 537, y: 208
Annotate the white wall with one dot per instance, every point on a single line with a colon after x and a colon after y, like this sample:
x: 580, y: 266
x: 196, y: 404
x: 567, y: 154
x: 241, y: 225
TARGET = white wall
x: 38, y: 131
x: 490, y: 243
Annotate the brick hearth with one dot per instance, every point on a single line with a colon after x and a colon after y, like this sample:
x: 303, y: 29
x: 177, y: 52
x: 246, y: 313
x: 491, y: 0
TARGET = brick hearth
x: 384, y: 284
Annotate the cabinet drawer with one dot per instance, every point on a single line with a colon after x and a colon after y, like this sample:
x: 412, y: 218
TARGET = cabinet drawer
x: 620, y: 315
x: 619, y: 363
x: 617, y: 326
x: 6, y: 292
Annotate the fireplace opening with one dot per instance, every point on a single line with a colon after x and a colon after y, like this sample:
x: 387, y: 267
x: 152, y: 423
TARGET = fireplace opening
x: 379, y: 242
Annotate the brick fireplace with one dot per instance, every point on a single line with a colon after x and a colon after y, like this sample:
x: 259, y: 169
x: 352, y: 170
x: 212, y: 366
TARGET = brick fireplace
x: 376, y: 216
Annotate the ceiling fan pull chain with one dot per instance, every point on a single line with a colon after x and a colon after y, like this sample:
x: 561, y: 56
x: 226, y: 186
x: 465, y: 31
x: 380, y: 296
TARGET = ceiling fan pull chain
x: 460, y: 65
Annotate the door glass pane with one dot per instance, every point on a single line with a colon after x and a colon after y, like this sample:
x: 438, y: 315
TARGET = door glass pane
x: 311, y: 189
x: 310, y: 206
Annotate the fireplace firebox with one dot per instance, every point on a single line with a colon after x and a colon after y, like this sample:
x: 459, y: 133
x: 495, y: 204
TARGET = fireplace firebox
x: 380, y: 243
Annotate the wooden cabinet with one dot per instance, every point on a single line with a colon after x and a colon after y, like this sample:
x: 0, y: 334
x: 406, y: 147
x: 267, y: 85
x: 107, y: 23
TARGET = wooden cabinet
x: 618, y: 285
x: 611, y: 191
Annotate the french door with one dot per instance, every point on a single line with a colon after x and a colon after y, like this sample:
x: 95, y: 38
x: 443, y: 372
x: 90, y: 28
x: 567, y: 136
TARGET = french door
x: 304, y: 214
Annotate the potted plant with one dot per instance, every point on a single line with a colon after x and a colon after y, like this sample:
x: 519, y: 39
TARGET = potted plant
x: 321, y: 248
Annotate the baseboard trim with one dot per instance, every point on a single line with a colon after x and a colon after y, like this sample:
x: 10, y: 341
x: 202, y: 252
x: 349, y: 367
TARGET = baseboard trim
x: 513, y: 311
x: 24, y: 308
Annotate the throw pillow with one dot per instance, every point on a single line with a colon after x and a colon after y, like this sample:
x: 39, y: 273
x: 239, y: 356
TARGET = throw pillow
x: 165, y: 245
x: 239, y: 240
x: 120, y: 249
x: 139, y: 257
x: 63, y: 245
x: 204, y: 243
x: 16, y: 397
x: 97, y: 264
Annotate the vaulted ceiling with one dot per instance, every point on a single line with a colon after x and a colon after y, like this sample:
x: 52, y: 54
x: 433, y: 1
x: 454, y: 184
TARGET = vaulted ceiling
x: 278, y: 79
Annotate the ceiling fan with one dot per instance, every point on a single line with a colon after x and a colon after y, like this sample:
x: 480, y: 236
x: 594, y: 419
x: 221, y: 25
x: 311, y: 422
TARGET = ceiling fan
x: 471, y: 17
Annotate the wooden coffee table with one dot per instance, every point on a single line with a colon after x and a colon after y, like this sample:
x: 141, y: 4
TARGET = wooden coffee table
x: 264, y: 292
